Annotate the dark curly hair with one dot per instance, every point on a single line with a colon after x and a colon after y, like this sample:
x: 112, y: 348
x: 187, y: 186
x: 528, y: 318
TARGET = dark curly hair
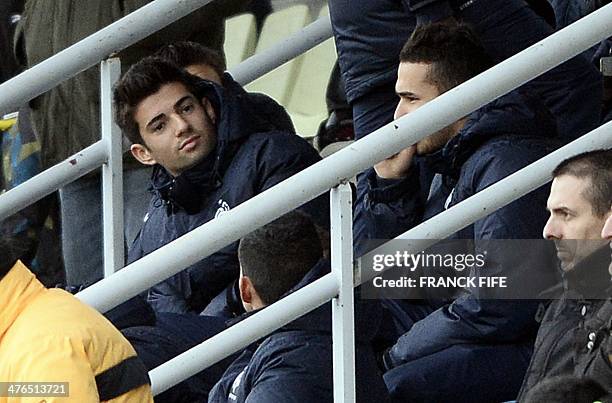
x: 453, y: 50
x: 142, y: 80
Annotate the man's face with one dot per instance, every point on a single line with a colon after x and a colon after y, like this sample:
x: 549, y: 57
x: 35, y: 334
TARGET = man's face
x: 606, y: 233
x: 204, y: 71
x: 177, y: 129
x: 414, y: 91
x: 572, y: 224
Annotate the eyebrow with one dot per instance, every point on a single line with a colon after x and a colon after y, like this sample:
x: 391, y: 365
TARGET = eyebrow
x: 406, y: 94
x: 562, y: 209
x: 162, y: 115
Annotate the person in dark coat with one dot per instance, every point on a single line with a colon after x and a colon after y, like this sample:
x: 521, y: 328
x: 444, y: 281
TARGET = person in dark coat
x: 369, y: 35
x: 210, y: 151
x: 294, y: 363
x: 575, y: 337
x: 469, y: 349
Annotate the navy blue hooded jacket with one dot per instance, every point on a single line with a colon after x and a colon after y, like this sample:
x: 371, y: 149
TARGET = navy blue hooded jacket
x: 294, y: 364
x: 251, y: 156
x: 497, y: 140
x: 369, y: 35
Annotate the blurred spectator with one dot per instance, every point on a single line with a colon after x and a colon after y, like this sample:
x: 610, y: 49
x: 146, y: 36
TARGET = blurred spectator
x: 50, y: 336
x: 294, y: 363
x: 211, y: 150
x: 369, y: 35
x: 66, y: 119
x: 474, y: 348
x: 570, y: 11
x: 575, y: 337
x: 37, y: 226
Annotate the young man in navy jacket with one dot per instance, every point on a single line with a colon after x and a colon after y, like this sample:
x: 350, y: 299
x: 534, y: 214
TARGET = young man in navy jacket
x: 211, y: 150
x: 473, y: 348
x: 294, y: 363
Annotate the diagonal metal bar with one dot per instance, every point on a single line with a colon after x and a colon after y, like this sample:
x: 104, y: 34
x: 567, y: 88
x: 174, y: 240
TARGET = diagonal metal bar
x: 319, y: 178
x: 91, y: 50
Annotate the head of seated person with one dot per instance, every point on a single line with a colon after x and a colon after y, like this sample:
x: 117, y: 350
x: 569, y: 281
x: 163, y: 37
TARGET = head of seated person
x: 159, y: 111
x: 196, y: 58
x: 436, y: 58
x: 580, y: 204
x: 275, y: 258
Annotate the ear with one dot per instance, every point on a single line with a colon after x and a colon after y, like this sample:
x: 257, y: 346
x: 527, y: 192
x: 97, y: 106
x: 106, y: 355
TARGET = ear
x: 246, y: 289
x: 142, y: 154
x: 209, y: 110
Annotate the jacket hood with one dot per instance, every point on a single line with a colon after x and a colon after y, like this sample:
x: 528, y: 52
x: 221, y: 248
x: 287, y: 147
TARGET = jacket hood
x: 516, y: 115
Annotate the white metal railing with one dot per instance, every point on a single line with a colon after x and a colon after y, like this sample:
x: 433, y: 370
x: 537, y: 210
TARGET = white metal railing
x: 318, y: 178
x: 91, y: 50
x: 310, y: 183
x: 321, y: 291
x: 107, y: 151
x: 93, y: 156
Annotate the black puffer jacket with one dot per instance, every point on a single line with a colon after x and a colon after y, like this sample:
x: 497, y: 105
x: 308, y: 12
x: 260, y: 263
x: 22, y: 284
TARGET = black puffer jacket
x: 575, y: 337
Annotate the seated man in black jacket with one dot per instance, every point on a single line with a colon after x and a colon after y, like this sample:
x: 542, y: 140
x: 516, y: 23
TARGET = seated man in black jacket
x: 211, y: 150
x: 294, y: 363
x: 575, y: 336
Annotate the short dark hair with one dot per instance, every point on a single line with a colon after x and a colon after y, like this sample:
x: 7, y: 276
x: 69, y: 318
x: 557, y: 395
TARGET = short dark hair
x: 453, y: 50
x: 142, y: 80
x: 597, y: 166
x: 278, y: 255
x: 186, y: 53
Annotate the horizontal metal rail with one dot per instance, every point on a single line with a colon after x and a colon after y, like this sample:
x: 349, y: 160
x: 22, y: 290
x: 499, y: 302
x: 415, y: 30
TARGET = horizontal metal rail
x: 53, y: 178
x: 438, y: 227
x: 243, y: 333
x: 92, y: 49
x: 296, y: 44
x: 317, y: 179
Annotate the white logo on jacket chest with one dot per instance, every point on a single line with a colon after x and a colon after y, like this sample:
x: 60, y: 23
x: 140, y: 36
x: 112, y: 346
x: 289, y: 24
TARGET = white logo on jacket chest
x: 236, y: 385
x: 449, y: 199
x: 223, y: 208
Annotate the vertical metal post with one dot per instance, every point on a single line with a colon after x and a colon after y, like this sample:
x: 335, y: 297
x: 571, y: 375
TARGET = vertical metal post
x: 343, y: 320
x: 112, y: 171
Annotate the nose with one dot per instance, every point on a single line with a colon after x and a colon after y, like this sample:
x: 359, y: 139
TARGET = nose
x: 401, y: 109
x: 550, y: 230
x: 181, y: 125
x: 606, y: 232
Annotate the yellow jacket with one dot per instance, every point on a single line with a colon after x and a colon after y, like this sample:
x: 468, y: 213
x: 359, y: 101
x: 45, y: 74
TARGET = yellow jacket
x: 47, y: 335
